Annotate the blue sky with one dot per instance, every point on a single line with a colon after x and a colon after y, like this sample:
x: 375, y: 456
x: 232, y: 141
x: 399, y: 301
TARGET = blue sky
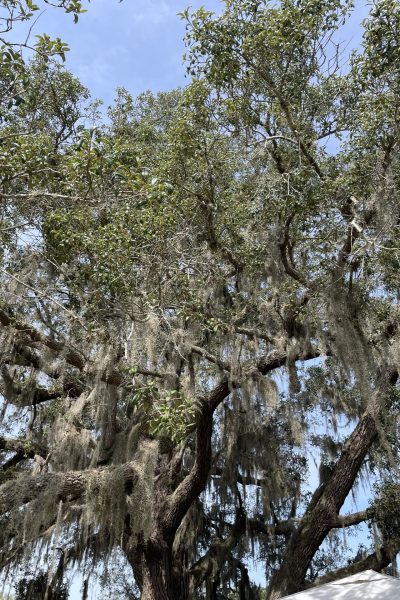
x: 137, y: 44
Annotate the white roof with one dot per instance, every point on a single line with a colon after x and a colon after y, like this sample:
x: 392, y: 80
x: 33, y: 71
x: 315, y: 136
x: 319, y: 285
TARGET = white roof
x: 368, y: 585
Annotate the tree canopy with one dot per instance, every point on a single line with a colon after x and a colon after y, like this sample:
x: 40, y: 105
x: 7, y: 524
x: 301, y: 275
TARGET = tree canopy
x: 199, y: 294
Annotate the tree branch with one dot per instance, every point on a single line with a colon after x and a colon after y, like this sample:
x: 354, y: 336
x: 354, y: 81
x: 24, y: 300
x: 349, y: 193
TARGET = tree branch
x: 179, y: 502
x: 279, y: 528
x: 64, y: 486
x: 317, y: 521
x: 349, y: 520
x: 72, y: 356
x: 193, y: 484
x: 287, y: 263
x: 217, y: 553
x: 376, y: 561
x: 29, y: 396
x: 210, y: 357
x: 22, y: 446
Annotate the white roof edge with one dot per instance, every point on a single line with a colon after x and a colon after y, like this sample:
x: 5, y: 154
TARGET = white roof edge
x: 368, y: 572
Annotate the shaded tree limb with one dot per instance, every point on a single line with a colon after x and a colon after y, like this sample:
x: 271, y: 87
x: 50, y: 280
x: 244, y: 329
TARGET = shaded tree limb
x: 25, y: 447
x: 376, y: 561
x: 179, y: 502
x: 72, y: 356
x: 212, y: 562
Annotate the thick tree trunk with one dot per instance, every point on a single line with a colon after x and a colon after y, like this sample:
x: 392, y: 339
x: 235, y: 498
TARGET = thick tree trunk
x: 155, y: 572
x: 159, y: 574
x: 157, y: 579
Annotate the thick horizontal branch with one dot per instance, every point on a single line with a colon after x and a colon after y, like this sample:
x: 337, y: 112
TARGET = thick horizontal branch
x: 61, y: 486
x: 28, y: 396
x: 39, y: 395
x: 25, y: 356
x: 72, y: 356
x: 350, y: 520
x: 27, y: 349
x: 12, y: 462
x: 288, y: 526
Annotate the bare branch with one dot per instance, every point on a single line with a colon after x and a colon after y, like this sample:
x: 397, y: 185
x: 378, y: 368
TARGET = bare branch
x: 350, y: 520
x: 210, y: 357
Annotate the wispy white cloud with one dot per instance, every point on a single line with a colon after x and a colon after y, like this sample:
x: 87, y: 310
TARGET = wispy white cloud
x: 153, y: 12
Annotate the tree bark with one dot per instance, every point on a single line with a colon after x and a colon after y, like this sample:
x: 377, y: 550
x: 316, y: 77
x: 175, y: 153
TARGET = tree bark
x: 155, y: 572
x: 157, y: 579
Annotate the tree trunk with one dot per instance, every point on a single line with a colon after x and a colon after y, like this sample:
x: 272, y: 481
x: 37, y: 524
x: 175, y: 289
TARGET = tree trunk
x: 157, y: 579
x: 156, y: 574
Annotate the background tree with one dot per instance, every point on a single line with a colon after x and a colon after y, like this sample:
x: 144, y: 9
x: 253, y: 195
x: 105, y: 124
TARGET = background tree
x: 194, y: 296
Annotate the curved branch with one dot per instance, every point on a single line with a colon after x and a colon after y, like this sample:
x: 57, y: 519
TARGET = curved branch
x: 285, y: 250
x: 26, y: 348
x: 26, y: 356
x: 179, y: 502
x: 193, y: 484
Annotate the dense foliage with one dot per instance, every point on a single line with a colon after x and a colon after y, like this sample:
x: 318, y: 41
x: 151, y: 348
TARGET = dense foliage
x: 199, y: 296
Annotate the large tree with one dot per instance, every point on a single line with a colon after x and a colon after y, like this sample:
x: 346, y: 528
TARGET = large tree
x: 196, y: 296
